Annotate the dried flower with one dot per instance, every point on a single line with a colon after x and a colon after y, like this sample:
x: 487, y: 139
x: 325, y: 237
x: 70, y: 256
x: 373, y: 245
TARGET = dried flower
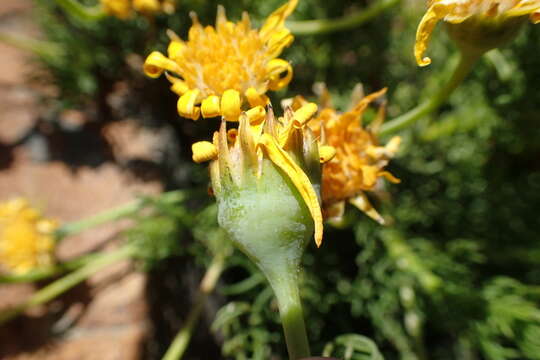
x: 216, y: 69
x: 476, y: 25
x: 358, y: 162
x: 26, y: 238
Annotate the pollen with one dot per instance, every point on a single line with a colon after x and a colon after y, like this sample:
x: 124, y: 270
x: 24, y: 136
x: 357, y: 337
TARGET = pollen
x: 218, y: 70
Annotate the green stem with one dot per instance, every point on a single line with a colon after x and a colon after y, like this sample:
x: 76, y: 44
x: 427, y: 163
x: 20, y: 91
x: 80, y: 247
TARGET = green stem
x: 464, y: 67
x: 284, y: 282
x: 179, y: 345
x: 62, y: 285
x: 325, y: 26
x: 115, y: 214
x: 38, y: 47
x: 49, y: 271
x: 77, y: 10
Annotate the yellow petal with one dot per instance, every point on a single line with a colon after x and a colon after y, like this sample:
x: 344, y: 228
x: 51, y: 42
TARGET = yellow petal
x: 210, y: 107
x: 364, y: 102
x: 326, y: 153
x: 275, y: 69
x: 175, y: 49
x: 276, y: 20
x: 278, y: 41
x: 186, y: 105
x: 435, y: 13
x: 178, y: 86
x: 300, y: 180
x: 204, y: 151
x: 146, y: 6
x: 256, y: 115
x: 156, y: 63
x: 304, y: 114
x: 230, y: 105
x: 362, y: 203
x: 535, y: 17
x: 524, y: 8
x: 389, y: 177
x: 256, y: 99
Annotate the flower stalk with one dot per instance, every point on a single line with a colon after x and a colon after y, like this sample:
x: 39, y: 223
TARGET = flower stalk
x: 81, y: 12
x: 62, y: 285
x: 49, y: 271
x: 283, y: 278
x: 327, y: 26
x: 115, y: 214
x: 466, y: 63
x: 181, y: 341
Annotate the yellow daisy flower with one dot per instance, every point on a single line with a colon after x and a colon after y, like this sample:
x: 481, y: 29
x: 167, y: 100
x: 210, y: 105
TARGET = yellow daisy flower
x: 118, y: 8
x: 26, y: 238
x: 123, y: 9
x: 217, y: 69
x: 357, y: 162
x: 241, y: 155
x: 476, y: 24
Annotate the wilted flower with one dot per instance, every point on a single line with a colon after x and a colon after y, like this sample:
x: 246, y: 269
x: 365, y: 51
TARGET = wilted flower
x: 123, y: 9
x: 26, y: 238
x: 476, y: 25
x: 358, y: 161
x: 218, y: 68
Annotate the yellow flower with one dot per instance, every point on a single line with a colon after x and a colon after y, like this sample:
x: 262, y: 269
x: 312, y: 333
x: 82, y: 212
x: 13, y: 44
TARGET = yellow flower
x: 477, y: 24
x: 241, y: 157
x: 118, y: 8
x: 358, y: 161
x: 217, y: 69
x: 26, y: 238
x: 123, y: 9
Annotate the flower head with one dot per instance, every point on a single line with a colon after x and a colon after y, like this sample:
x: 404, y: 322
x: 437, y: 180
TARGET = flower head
x: 220, y: 67
x: 123, y: 9
x: 26, y: 237
x: 478, y: 25
x: 267, y: 158
x: 358, y: 161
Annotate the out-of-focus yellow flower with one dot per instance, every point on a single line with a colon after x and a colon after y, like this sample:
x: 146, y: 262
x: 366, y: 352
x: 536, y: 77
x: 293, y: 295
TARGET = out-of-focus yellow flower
x: 118, y: 8
x: 26, y: 238
x: 240, y: 157
x: 476, y: 24
x: 217, y: 69
x: 357, y: 162
x: 123, y: 9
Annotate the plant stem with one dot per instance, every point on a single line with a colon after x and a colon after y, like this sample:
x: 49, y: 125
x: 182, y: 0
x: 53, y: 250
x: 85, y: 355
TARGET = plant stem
x: 49, y: 271
x: 76, y: 9
x: 179, y: 345
x: 62, y: 285
x: 325, y: 26
x: 464, y: 67
x: 284, y: 282
x: 115, y: 214
x: 46, y: 49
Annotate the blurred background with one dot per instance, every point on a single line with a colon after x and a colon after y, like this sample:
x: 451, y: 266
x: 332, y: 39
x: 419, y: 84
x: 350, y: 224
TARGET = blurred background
x: 455, y: 275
